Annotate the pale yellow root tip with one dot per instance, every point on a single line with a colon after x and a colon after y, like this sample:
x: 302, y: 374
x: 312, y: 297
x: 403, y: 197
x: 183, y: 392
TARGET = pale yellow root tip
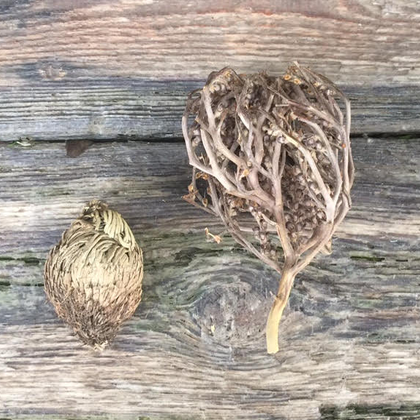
x: 272, y: 330
x: 273, y: 321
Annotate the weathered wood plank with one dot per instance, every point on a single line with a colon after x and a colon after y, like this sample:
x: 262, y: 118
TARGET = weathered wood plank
x: 147, y: 109
x: 195, y: 349
x: 42, y: 190
x: 100, y: 69
x: 354, y: 41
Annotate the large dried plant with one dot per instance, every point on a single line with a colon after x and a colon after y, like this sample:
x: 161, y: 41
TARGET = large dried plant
x: 271, y: 157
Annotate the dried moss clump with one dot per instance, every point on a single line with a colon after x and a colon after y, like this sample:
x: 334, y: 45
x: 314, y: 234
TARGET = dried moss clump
x: 272, y: 159
x: 94, y: 275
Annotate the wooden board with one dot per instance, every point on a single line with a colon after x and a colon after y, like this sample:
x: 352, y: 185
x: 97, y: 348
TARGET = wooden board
x: 152, y: 110
x: 100, y: 69
x: 195, y: 348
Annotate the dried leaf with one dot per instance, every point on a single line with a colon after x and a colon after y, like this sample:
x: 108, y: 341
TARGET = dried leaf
x: 215, y: 238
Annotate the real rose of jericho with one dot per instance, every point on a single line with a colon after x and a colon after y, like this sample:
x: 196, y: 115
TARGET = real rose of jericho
x: 271, y: 157
x: 93, y: 276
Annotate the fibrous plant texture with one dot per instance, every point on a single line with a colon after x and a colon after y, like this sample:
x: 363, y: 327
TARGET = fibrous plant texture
x: 271, y: 157
x: 94, y: 275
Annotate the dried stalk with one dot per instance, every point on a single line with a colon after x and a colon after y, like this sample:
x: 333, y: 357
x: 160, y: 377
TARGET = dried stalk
x: 272, y: 156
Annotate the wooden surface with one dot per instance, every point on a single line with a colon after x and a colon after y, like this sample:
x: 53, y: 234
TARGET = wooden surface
x: 195, y: 350
x: 349, y: 346
x: 101, y: 69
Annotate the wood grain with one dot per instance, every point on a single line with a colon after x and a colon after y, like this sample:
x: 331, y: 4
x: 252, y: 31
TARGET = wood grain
x: 152, y: 110
x: 354, y: 41
x: 195, y: 349
x: 96, y: 69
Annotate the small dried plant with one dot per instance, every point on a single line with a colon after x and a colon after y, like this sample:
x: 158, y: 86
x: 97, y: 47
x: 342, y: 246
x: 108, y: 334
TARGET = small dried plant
x: 271, y: 157
x: 93, y: 276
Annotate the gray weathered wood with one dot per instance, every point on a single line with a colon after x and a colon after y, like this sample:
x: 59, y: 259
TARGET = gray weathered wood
x: 99, y: 69
x: 147, y: 109
x: 195, y: 349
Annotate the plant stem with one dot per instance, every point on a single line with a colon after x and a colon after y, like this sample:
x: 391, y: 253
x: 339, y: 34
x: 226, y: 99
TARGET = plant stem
x: 272, y: 329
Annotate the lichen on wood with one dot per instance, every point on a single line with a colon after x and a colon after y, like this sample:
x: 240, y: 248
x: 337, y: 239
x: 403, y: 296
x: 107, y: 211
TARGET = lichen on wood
x: 94, y: 275
x: 271, y: 157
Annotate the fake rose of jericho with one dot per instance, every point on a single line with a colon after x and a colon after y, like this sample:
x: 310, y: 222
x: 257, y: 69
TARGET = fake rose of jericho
x: 93, y: 276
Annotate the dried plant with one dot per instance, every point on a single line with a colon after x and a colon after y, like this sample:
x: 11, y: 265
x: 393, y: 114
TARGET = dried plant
x: 94, y: 275
x: 272, y: 159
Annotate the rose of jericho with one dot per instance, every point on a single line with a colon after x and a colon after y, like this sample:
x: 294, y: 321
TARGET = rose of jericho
x: 271, y: 157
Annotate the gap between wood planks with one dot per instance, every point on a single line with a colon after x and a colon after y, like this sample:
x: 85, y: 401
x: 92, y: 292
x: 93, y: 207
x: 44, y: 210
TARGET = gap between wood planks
x: 125, y: 139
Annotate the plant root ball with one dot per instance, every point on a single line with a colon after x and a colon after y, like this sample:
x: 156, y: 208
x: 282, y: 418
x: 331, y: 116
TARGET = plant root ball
x: 93, y: 276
